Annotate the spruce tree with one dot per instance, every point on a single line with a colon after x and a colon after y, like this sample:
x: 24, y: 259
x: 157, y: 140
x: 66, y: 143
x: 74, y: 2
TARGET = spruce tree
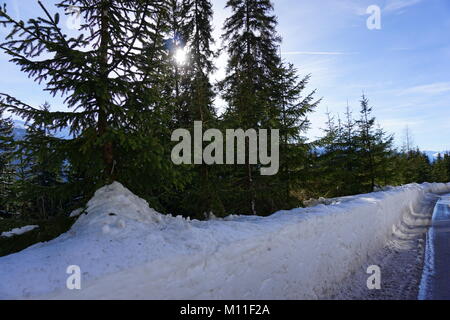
x: 356, y: 155
x: 374, y: 149
x: 350, y: 161
x: 107, y: 75
x: 7, y: 147
x: 198, y: 89
x: 440, y: 172
x: 252, y: 45
x: 328, y: 172
x: 176, y: 47
x: 447, y: 166
x: 198, y: 98
x: 290, y: 110
x: 42, y: 175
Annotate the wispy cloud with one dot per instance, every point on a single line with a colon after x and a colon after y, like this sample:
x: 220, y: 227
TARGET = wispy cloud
x: 397, y: 49
x: 396, y: 5
x: 392, y: 6
x: 432, y: 88
x: 396, y: 124
x: 318, y: 53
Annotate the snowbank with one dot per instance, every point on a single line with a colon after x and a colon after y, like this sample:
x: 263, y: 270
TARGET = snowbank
x: 127, y: 250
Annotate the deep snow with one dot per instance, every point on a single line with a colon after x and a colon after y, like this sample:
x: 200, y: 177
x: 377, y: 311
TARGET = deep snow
x: 127, y: 250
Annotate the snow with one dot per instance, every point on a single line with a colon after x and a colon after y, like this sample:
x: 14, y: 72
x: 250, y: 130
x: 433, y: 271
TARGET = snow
x: 126, y: 250
x: 18, y: 231
x: 76, y: 213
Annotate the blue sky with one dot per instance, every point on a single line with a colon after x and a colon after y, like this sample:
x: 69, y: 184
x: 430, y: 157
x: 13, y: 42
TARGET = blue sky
x: 404, y: 68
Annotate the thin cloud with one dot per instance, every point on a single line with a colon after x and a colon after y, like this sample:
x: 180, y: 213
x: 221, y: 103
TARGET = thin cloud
x: 432, y: 88
x: 400, y: 49
x: 392, y: 6
x: 396, y: 5
x: 318, y: 53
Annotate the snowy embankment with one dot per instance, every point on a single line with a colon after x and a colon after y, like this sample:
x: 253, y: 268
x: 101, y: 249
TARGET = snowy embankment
x: 127, y: 250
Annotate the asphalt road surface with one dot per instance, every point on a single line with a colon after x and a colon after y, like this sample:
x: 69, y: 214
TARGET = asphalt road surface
x: 435, y: 284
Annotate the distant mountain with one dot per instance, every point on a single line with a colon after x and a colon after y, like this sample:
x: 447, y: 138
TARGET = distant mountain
x: 432, y: 155
x: 20, y: 130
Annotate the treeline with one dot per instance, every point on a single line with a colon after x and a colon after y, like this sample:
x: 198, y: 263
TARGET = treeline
x: 357, y: 156
x: 137, y: 71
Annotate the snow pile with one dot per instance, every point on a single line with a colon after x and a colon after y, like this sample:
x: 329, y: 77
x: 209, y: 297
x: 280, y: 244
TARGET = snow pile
x: 126, y: 250
x: 18, y: 231
x: 111, y: 209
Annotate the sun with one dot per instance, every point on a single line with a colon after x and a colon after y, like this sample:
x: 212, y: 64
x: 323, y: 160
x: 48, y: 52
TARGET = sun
x: 181, y: 56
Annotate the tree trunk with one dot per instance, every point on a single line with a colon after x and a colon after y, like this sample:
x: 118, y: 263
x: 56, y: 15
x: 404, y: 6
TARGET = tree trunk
x: 103, y: 96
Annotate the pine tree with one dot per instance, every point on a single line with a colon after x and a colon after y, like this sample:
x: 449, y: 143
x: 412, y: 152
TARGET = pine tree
x: 350, y: 159
x: 109, y: 75
x: 356, y: 155
x: 7, y: 147
x: 252, y: 44
x: 198, y: 89
x: 42, y: 175
x: 440, y: 169
x: 374, y: 149
x: 176, y: 47
x: 341, y: 156
x: 383, y: 154
x: 290, y: 115
x: 327, y: 171
x: 198, y: 97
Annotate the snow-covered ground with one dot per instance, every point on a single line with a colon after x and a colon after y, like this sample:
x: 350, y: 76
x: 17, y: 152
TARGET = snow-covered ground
x: 127, y: 250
